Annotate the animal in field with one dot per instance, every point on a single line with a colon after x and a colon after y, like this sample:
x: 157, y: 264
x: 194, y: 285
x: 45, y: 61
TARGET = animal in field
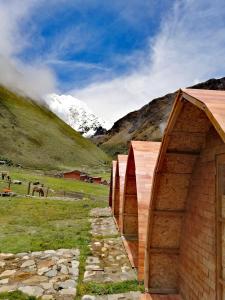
x: 4, y: 175
x: 36, y: 183
x: 38, y: 189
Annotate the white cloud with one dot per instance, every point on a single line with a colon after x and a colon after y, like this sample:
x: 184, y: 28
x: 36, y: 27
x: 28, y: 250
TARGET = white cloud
x: 190, y: 47
x: 34, y: 79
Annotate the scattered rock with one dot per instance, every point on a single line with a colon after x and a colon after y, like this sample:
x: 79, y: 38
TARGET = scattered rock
x: 88, y: 297
x: 70, y: 291
x: 2, y: 264
x: 47, y: 297
x: 7, y: 273
x: 4, y: 281
x: 63, y: 269
x: 35, y: 291
x: 42, y: 270
x: 51, y: 273
x: 35, y: 280
x: 8, y: 288
x: 28, y: 263
x: 45, y: 264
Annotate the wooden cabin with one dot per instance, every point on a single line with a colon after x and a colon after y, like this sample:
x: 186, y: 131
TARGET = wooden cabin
x: 72, y: 175
x: 141, y: 163
x: 119, y: 189
x: 84, y: 177
x: 185, y: 252
x: 112, y: 183
x: 97, y: 180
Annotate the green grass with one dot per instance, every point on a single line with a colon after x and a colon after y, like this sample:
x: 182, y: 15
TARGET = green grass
x: 16, y: 296
x: 57, y: 184
x: 34, y: 137
x: 40, y: 224
x: 109, y: 288
x: 36, y: 225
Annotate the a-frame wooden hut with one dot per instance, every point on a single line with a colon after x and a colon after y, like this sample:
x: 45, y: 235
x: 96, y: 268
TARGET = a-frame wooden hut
x: 186, y: 231
x: 141, y: 162
x: 119, y: 189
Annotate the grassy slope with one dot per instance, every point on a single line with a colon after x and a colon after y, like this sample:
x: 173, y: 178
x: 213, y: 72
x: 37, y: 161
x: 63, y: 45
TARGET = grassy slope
x: 33, y: 136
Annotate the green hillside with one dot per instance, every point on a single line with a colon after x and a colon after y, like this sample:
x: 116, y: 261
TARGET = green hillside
x: 34, y: 137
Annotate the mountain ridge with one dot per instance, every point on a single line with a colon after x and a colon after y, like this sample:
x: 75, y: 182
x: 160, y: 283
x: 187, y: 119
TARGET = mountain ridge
x: 147, y: 123
x: 75, y: 113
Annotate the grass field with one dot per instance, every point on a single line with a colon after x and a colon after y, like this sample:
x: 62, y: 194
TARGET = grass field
x: 35, y: 225
x: 57, y: 184
x: 41, y: 224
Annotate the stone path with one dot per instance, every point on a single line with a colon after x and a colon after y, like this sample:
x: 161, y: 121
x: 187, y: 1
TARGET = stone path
x: 109, y: 261
x: 51, y: 275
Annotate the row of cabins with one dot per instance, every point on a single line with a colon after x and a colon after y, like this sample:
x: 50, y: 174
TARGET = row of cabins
x: 168, y: 200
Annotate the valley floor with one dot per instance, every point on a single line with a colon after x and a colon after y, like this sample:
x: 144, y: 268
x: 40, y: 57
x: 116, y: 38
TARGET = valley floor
x: 40, y: 224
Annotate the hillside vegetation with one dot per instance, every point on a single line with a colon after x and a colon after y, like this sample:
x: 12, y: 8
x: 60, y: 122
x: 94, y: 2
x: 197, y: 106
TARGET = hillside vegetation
x: 33, y: 136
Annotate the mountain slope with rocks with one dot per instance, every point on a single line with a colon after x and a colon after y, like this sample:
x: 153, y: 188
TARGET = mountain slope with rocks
x: 75, y: 113
x: 147, y: 123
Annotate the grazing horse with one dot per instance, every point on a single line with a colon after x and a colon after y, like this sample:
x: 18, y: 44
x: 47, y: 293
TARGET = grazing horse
x: 38, y: 189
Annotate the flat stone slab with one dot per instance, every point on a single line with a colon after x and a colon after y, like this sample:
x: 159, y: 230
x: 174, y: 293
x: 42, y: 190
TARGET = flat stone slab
x: 109, y: 262
x: 101, y: 212
x: 103, y: 226
x: 124, y: 296
x: 51, y: 274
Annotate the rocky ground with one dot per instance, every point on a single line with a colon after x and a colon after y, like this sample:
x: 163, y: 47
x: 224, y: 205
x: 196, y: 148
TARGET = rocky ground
x: 51, y: 274
x: 109, y: 261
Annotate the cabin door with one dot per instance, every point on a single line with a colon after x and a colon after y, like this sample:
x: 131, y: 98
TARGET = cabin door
x: 220, y: 218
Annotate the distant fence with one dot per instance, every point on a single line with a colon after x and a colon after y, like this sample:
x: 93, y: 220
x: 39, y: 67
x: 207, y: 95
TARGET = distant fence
x: 24, y: 189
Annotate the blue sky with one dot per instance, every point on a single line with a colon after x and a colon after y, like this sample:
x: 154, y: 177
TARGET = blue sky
x: 114, y: 55
x: 85, y: 40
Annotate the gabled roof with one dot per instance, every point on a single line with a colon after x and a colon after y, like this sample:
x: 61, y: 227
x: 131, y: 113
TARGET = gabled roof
x: 210, y: 101
x: 73, y: 171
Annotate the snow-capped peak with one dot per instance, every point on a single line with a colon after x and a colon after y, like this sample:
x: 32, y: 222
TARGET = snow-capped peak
x: 75, y: 113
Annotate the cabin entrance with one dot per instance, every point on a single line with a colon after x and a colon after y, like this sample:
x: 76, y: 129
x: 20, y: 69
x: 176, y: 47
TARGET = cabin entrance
x: 220, y: 217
